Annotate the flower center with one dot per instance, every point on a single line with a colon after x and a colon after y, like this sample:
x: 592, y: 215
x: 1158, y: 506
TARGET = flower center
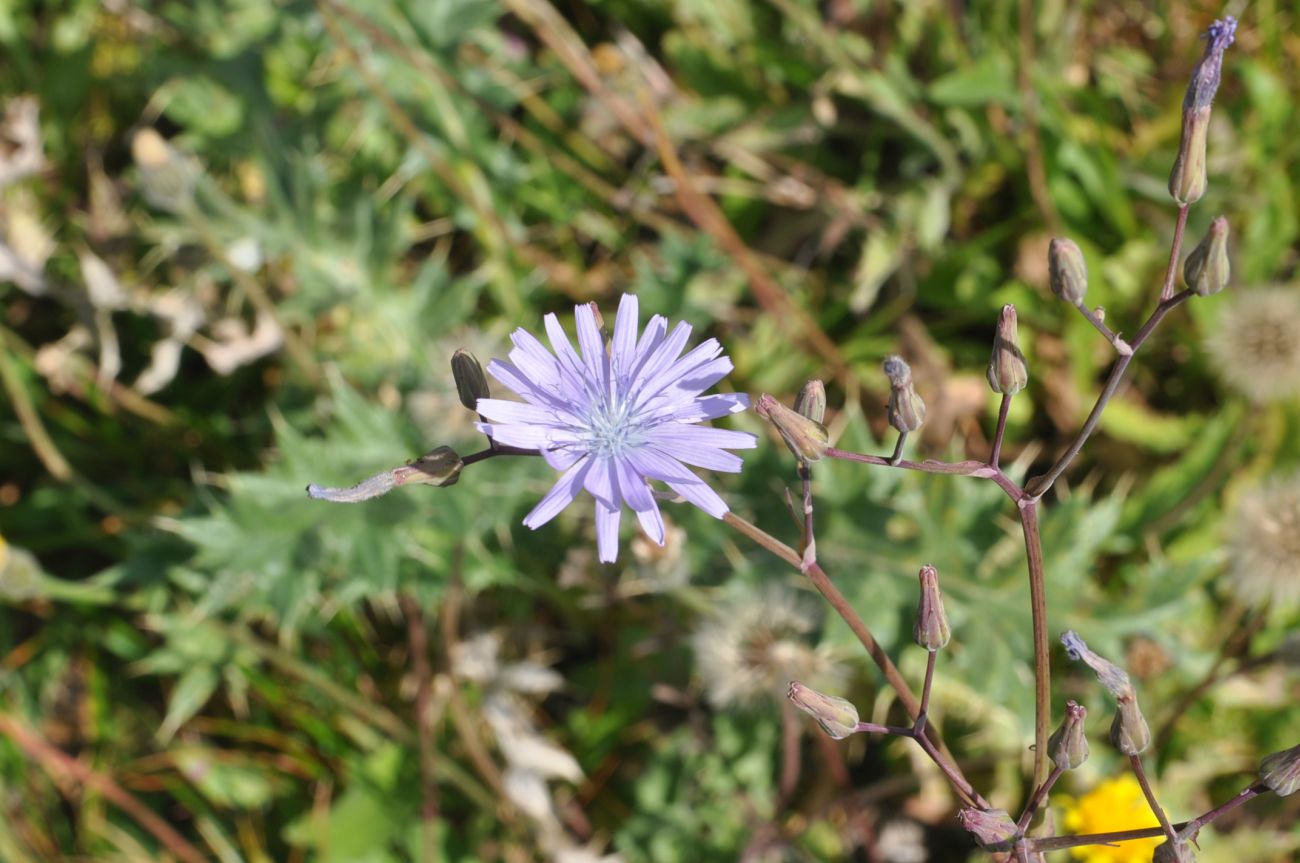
x: 612, y: 426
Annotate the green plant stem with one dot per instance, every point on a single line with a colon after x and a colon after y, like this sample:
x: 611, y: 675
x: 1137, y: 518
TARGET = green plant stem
x: 995, y: 457
x: 924, y: 713
x: 1028, y: 510
x: 1140, y: 772
x: 1167, y: 289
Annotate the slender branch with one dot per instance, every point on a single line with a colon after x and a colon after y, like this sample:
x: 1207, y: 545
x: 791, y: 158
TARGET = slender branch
x: 971, y: 467
x: 925, y: 692
x: 1036, y: 799
x: 1095, y: 318
x: 1141, y: 773
x: 1038, y: 486
x: 69, y: 772
x: 995, y: 457
x: 844, y: 609
x: 1190, y: 828
x: 1167, y: 289
x: 897, y: 457
x: 809, y: 538
x: 1028, y: 509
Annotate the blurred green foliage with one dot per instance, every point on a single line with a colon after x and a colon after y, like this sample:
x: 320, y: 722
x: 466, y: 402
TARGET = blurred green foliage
x: 248, y: 236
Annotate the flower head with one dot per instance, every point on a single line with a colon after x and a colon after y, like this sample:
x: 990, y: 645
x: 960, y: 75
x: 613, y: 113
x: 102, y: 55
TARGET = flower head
x: 1265, y: 549
x: 613, y: 419
x: 1256, y: 343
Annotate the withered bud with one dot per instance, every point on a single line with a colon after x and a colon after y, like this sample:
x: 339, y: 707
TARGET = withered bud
x: 1067, y: 272
x: 1207, y: 269
x: 811, y: 401
x: 1281, y: 771
x: 471, y: 383
x: 1129, y: 732
x: 989, y: 826
x: 1187, y: 181
x: 931, y: 629
x: 440, y: 467
x: 1068, y: 745
x: 806, y: 438
x: 1179, y: 851
x: 906, y: 410
x: 1008, y: 372
x: 837, y: 716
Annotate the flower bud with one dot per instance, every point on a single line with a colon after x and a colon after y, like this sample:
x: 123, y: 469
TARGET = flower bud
x: 837, y: 717
x: 1007, y: 373
x: 906, y: 410
x: 1068, y: 745
x: 1175, y: 852
x: 1281, y: 771
x: 811, y: 401
x: 1067, y: 272
x: 989, y: 826
x: 931, y: 629
x: 471, y: 383
x: 1129, y: 732
x: 1206, y: 269
x: 1187, y: 180
x: 806, y: 438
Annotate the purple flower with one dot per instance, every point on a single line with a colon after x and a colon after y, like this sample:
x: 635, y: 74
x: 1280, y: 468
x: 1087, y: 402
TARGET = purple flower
x: 613, y: 419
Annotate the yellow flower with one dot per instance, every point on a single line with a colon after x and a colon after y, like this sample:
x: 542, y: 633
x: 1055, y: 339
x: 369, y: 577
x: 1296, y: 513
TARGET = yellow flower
x: 1116, y: 804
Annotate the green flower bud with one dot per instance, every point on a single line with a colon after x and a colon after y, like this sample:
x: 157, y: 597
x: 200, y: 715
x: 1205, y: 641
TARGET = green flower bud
x: 1068, y: 745
x: 989, y: 826
x: 1008, y: 374
x: 806, y: 438
x: 1281, y: 771
x: 811, y: 401
x: 1129, y: 732
x: 931, y: 629
x: 1207, y: 269
x: 1067, y: 272
x: 471, y: 383
x: 837, y: 717
x: 906, y: 410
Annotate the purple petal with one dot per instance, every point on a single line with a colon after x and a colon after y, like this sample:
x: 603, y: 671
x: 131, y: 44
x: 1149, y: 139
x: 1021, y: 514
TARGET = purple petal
x: 569, y: 361
x: 562, y: 458
x: 702, y: 436
x: 699, y: 409
x: 652, y: 522
x: 602, y: 483
x: 593, y: 347
x: 623, y: 346
x: 655, y: 464
x: 635, y: 492
x: 607, y: 532
x: 664, y: 354
x: 650, y: 339
x: 561, y: 495
x: 527, y: 436
x: 522, y: 413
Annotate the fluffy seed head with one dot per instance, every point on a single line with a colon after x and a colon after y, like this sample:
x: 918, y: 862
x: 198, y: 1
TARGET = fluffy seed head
x: 1255, y: 346
x: 1265, y: 546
